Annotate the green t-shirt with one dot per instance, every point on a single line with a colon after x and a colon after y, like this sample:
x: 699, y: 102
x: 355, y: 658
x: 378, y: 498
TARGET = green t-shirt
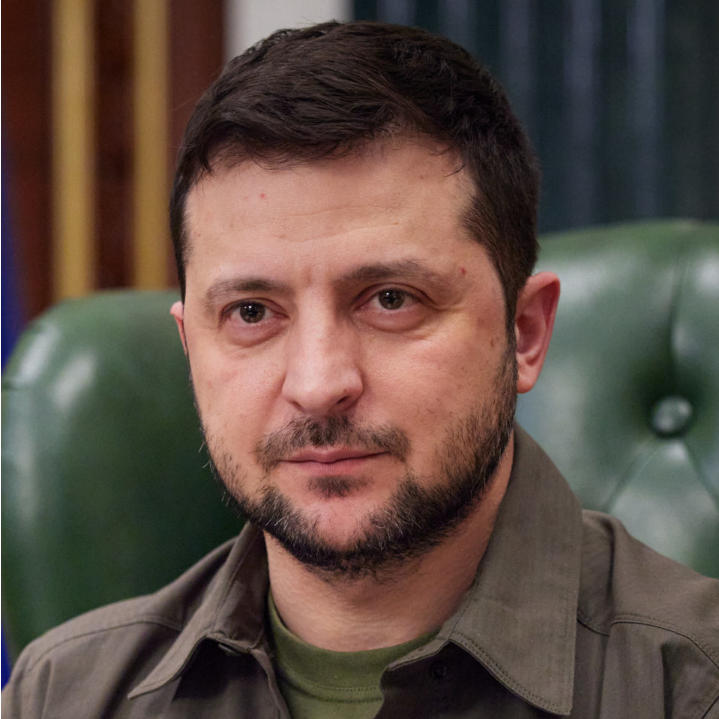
x: 318, y: 683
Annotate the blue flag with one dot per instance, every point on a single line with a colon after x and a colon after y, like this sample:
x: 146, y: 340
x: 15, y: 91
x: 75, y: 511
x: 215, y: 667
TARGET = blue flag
x: 11, y: 325
x: 11, y: 314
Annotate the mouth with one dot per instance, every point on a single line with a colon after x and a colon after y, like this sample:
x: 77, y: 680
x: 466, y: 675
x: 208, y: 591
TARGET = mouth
x: 333, y: 461
x: 331, y: 456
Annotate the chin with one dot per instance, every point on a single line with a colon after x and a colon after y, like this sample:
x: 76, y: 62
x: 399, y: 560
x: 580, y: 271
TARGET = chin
x: 347, y: 525
x: 340, y: 524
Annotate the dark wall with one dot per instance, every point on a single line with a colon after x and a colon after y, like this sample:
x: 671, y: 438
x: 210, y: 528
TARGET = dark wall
x: 620, y: 97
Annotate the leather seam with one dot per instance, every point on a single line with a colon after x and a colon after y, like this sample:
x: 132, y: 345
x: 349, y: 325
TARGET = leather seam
x: 680, y: 272
x: 641, y: 459
x: 700, y: 474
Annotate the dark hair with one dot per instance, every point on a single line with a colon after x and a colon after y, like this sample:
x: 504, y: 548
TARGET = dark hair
x: 304, y: 95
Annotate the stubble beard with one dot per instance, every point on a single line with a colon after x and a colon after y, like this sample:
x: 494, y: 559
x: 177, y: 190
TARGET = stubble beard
x: 418, y: 515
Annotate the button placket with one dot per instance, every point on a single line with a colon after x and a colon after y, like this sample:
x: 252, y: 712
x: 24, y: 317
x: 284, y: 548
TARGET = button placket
x: 438, y: 670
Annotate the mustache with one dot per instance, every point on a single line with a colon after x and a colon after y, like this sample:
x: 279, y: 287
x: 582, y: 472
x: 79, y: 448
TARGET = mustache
x: 303, y: 432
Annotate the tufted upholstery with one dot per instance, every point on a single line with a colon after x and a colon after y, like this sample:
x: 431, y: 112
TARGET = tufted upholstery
x: 104, y: 490
x: 627, y: 405
x: 105, y: 494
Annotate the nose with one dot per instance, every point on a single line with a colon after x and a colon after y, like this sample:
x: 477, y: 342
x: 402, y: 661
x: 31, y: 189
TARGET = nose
x: 323, y: 376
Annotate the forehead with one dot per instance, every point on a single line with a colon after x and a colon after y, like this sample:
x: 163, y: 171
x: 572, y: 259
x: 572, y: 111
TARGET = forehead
x: 377, y: 204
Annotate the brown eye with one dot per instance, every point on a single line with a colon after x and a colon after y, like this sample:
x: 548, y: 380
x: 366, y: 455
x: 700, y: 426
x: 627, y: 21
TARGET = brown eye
x: 252, y: 312
x: 391, y: 299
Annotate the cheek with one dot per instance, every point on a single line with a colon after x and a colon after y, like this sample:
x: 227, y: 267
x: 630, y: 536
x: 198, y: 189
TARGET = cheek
x: 235, y: 393
x: 433, y: 380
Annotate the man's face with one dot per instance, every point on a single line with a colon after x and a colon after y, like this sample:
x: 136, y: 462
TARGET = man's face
x: 348, y: 351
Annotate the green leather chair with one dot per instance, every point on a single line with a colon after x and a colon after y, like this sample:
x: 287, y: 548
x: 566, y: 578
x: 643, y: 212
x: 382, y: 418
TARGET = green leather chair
x: 627, y: 405
x: 106, y: 493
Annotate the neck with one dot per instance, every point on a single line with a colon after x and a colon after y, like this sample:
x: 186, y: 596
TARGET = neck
x: 411, y: 600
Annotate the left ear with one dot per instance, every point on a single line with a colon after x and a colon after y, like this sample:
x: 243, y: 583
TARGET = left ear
x: 178, y: 312
x: 533, y: 324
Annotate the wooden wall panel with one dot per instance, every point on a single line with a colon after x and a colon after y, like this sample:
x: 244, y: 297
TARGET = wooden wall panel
x: 151, y: 182
x: 73, y: 147
x: 187, y: 39
x: 197, y: 56
x: 26, y: 30
x: 114, y: 132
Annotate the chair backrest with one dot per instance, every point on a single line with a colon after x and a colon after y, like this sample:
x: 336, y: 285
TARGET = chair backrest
x: 627, y: 405
x: 105, y: 493
x: 105, y: 490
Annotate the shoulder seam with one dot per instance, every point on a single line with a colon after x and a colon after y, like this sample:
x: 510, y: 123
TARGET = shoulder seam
x: 667, y: 626
x: 147, y: 619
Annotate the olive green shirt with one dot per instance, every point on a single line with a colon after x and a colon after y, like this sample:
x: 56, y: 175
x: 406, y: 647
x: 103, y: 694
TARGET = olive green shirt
x: 322, y: 684
x: 568, y: 616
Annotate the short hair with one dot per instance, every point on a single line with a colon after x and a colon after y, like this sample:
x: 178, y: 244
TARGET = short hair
x: 310, y: 94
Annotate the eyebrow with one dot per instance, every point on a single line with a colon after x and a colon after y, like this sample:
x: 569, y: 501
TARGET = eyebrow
x: 364, y: 274
x: 237, y: 285
x: 402, y: 269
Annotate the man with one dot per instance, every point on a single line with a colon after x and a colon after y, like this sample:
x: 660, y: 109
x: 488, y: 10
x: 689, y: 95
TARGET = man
x: 354, y: 223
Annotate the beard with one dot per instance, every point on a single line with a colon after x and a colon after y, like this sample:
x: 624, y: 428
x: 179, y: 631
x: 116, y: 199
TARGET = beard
x: 418, y: 515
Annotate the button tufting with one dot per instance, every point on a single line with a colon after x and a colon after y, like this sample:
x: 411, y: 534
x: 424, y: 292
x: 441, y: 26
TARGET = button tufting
x: 671, y: 416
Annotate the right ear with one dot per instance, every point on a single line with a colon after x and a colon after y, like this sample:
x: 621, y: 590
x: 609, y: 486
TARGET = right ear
x: 178, y: 312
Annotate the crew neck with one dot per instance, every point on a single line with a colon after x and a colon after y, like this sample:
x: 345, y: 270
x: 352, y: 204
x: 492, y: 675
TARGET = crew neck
x: 319, y: 677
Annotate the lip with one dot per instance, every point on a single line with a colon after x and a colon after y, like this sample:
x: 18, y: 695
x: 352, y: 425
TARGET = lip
x: 330, y: 456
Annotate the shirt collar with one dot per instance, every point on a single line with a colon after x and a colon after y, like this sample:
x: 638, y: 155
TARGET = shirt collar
x: 231, y: 612
x: 518, y: 620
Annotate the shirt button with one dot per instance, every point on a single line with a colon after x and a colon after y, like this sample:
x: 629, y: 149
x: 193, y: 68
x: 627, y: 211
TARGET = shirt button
x: 438, y: 670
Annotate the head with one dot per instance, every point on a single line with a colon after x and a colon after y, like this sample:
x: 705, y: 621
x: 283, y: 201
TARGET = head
x: 354, y: 224
x: 305, y: 95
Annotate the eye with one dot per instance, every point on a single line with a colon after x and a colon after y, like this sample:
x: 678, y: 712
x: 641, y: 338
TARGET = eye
x: 251, y: 312
x: 391, y: 299
x: 249, y: 322
x: 393, y: 309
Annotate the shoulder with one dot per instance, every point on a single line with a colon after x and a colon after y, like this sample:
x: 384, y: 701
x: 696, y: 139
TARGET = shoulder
x: 650, y: 617
x: 165, y: 612
x: 624, y: 580
x: 111, y: 649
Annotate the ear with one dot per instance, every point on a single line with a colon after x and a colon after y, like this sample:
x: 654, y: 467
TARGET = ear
x: 533, y: 324
x: 178, y: 312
